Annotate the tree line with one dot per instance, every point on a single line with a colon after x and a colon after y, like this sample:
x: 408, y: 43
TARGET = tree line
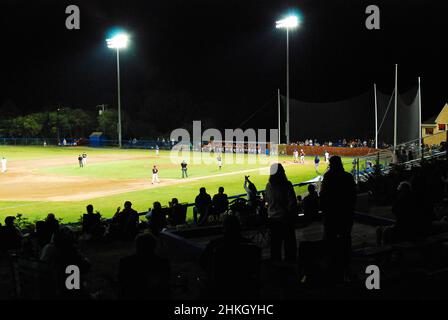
x: 61, y: 123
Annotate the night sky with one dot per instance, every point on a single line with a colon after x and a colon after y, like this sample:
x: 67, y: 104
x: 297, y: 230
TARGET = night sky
x: 223, y: 60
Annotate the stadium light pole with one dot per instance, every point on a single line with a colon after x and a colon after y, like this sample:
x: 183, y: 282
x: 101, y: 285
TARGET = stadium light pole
x: 118, y: 42
x: 287, y: 23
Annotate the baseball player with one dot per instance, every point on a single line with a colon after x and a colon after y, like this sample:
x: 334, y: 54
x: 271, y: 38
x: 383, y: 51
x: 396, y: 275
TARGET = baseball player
x: 157, y: 150
x: 155, y: 175
x: 81, y: 162
x: 296, y: 156
x: 327, y: 156
x: 4, y: 165
x: 219, y: 159
x: 316, y: 163
x: 302, y: 156
x: 184, y: 169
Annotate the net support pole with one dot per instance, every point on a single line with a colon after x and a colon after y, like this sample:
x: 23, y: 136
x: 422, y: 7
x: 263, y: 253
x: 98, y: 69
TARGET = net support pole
x: 420, y: 116
x: 376, y: 117
x: 395, y: 106
x: 279, y: 116
x: 287, y: 86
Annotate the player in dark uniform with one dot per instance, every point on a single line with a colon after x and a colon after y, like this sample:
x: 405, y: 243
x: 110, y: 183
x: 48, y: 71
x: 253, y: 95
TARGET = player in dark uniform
x: 183, y: 165
x: 80, y: 161
x: 155, y: 175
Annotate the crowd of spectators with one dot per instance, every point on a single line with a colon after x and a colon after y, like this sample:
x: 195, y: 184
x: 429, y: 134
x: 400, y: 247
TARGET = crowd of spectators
x: 346, y: 143
x: 419, y: 203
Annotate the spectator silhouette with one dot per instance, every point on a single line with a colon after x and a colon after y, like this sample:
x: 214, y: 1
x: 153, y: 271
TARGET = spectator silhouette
x: 202, y: 202
x: 10, y: 235
x: 62, y: 252
x: 157, y: 219
x: 409, y: 224
x: 231, y: 263
x: 177, y: 213
x: 144, y: 275
x: 282, y: 210
x: 251, y: 191
x: 50, y: 227
x: 91, y: 223
x: 299, y: 204
x: 311, y: 203
x: 337, y: 200
x: 220, y: 203
x: 125, y: 222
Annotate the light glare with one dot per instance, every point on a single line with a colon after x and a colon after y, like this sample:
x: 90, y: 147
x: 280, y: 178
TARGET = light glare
x: 117, y: 42
x: 288, y: 22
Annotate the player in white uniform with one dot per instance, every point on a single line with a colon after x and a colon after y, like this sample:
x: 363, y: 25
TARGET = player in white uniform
x: 219, y: 159
x: 4, y: 164
x: 155, y: 175
x: 296, y: 156
x: 157, y: 150
x: 327, y: 157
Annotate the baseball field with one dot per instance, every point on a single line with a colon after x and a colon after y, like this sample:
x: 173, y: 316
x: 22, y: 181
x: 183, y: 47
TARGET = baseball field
x: 41, y: 180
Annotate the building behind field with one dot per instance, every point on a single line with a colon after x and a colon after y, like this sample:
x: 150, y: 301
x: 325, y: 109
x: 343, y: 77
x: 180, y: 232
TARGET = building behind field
x: 434, y: 130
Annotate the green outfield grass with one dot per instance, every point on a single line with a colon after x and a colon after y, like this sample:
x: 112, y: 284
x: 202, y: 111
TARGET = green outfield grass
x: 137, y: 168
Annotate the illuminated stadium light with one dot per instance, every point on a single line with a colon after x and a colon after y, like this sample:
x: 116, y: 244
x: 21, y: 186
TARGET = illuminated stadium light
x: 118, y: 42
x: 287, y: 23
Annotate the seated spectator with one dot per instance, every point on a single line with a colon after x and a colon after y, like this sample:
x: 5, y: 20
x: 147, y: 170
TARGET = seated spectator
x: 91, y: 223
x: 231, y: 263
x: 311, y: 203
x: 157, y: 219
x: 62, y: 252
x: 10, y: 235
x: 125, y: 223
x: 220, y: 203
x: 177, y: 213
x: 144, y: 275
x: 299, y: 204
x: 231, y: 237
x: 202, y: 202
x: 410, y: 222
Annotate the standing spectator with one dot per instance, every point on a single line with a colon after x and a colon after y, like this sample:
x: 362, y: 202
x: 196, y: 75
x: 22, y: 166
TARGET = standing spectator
x: 202, y: 203
x: 282, y: 209
x: 251, y: 191
x: 337, y: 199
x: 50, y: 227
x: 220, y: 202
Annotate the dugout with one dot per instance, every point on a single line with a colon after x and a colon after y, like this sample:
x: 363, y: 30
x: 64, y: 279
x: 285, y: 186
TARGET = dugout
x: 96, y: 139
